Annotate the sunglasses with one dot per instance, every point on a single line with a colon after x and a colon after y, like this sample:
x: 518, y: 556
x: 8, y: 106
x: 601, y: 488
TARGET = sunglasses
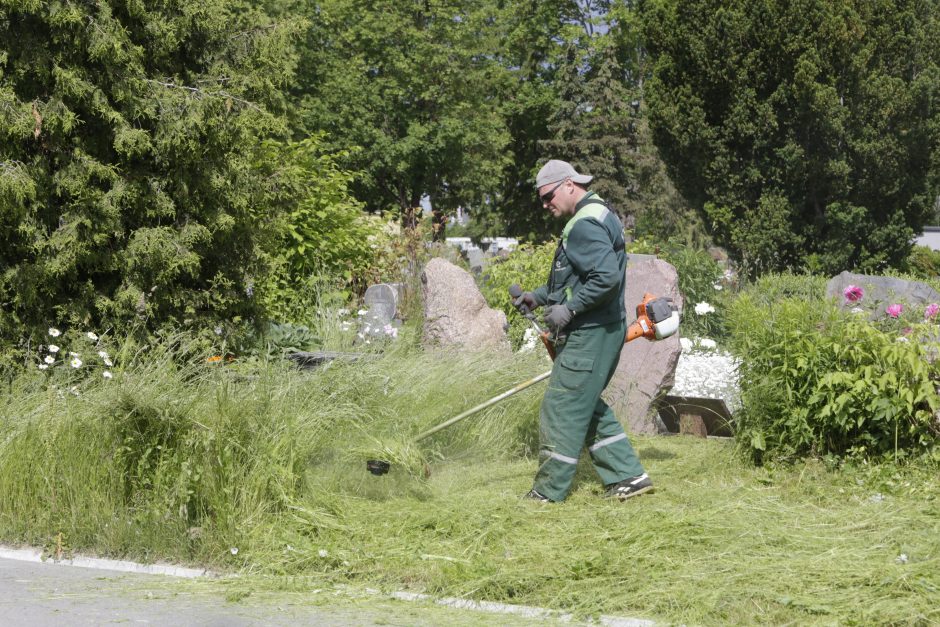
x: 547, y: 196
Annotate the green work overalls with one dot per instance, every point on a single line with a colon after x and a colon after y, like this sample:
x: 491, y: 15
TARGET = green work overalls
x: 588, y: 275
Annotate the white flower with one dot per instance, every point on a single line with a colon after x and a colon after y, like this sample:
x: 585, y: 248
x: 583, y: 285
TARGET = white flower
x: 322, y: 553
x: 106, y: 374
x: 49, y: 359
x: 76, y: 362
x: 342, y: 312
x: 717, y: 287
x: 362, y: 312
x: 91, y: 336
x: 345, y: 326
x: 54, y: 332
x: 707, y: 343
x: 902, y: 558
x: 903, y: 340
x: 685, y: 343
x: 107, y: 362
x: 234, y: 550
x: 529, y: 341
x: 103, y: 354
x: 71, y: 354
x: 218, y: 330
x: 703, y: 308
x: 43, y: 366
x: 53, y: 348
x: 857, y: 310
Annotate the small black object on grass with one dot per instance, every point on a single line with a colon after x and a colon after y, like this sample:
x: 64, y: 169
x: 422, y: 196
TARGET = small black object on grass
x: 377, y: 467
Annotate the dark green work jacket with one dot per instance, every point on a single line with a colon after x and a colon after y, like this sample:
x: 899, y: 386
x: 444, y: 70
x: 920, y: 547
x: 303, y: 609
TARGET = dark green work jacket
x: 589, y: 270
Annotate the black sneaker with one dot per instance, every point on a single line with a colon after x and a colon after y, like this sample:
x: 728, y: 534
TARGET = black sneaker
x: 534, y: 495
x: 628, y: 488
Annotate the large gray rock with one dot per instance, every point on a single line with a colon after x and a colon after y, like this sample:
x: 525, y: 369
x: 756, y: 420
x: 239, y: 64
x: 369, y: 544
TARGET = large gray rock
x: 881, y: 291
x: 455, y: 312
x: 647, y: 369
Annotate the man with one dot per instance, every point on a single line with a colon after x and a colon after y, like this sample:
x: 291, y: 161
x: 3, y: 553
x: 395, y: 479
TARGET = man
x: 585, y: 311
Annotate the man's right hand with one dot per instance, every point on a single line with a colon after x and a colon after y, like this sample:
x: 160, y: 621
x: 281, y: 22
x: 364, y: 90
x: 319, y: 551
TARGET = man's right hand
x: 527, y: 300
x: 523, y: 301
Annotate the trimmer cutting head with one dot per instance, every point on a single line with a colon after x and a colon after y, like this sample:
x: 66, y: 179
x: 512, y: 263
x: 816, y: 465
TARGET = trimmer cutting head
x: 377, y: 467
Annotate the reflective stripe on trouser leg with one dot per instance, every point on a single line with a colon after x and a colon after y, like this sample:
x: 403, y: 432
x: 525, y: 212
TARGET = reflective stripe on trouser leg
x: 613, y: 455
x: 582, y: 369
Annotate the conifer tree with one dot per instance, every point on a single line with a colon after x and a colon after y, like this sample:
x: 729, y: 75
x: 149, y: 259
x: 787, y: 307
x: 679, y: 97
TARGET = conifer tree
x: 127, y: 187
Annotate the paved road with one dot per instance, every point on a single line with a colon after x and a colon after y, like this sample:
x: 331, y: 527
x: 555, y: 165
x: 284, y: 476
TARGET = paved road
x: 45, y: 594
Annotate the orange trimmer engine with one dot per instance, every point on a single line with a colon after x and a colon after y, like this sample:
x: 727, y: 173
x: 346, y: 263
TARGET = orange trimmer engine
x: 656, y: 319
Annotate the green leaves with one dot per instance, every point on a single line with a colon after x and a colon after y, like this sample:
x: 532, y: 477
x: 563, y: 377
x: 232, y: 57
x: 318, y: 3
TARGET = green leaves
x: 799, y: 129
x: 816, y: 381
x: 412, y: 84
x: 125, y: 167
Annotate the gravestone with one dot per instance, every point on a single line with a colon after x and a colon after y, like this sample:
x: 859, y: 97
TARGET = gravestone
x: 880, y: 291
x: 474, y: 259
x: 456, y: 314
x: 647, y: 369
x: 381, y: 304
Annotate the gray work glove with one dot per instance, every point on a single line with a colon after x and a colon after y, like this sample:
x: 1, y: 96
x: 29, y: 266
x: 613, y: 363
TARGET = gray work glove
x: 527, y: 300
x: 557, y: 317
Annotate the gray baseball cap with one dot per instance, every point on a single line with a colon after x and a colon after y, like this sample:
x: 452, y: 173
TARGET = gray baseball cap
x: 556, y: 170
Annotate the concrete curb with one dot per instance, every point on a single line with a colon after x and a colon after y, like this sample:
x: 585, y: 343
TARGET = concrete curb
x: 125, y: 566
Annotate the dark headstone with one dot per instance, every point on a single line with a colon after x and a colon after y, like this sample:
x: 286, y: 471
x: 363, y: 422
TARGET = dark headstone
x: 713, y: 411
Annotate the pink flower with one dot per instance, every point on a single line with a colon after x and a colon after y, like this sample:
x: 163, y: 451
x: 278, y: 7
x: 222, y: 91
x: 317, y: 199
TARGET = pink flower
x: 931, y: 311
x: 853, y: 293
x: 894, y: 310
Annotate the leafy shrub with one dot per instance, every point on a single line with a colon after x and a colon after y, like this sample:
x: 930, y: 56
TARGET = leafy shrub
x: 528, y: 266
x: 321, y: 231
x: 700, y: 282
x: 817, y: 381
x: 923, y: 262
x: 126, y: 178
x: 772, y: 287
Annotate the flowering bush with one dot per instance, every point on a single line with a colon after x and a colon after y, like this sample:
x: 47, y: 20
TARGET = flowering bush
x: 853, y: 293
x: 816, y: 380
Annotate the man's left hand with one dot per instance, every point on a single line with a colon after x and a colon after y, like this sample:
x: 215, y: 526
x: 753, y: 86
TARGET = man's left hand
x: 557, y: 317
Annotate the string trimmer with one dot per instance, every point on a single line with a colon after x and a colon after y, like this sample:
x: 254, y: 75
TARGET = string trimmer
x: 656, y: 319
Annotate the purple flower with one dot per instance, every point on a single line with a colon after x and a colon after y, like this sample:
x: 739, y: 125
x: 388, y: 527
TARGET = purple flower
x: 853, y: 293
x: 931, y: 311
x: 894, y: 310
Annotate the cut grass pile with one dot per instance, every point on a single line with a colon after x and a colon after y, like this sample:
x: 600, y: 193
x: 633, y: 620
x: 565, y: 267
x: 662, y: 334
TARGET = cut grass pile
x: 262, y: 470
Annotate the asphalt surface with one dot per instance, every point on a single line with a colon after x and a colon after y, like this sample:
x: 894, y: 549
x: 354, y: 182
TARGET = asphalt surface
x: 47, y: 594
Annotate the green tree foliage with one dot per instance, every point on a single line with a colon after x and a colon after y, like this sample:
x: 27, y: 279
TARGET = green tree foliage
x: 127, y: 186
x: 594, y: 127
x: 414, y: 85
x: 804, y: 131
x: 577, y: 73
x: 537, y: 34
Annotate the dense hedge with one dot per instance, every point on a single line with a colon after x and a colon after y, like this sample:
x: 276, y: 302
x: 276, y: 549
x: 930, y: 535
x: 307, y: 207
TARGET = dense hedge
x: 128, y: 186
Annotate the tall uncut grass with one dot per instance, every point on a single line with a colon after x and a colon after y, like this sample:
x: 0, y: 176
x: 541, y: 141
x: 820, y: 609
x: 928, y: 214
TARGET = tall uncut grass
x: 261, y: 469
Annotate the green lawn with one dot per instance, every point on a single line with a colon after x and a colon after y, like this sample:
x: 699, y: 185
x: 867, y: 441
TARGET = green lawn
x: 262, y: 473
